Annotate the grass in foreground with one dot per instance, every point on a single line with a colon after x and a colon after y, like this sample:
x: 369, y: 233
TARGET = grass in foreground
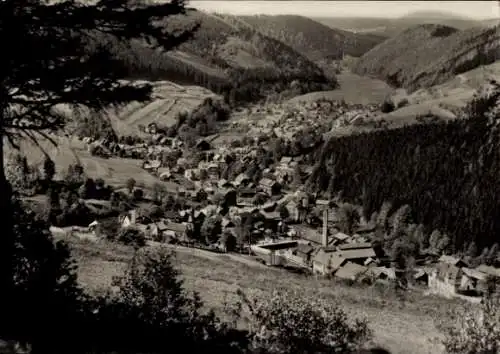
x: 403, y: 325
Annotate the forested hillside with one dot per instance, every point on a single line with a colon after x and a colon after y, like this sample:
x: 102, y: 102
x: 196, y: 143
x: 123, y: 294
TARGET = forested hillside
x: 428, y: 55
x: 446, y: 172
x: 311, y: 38
x: 236, y: 61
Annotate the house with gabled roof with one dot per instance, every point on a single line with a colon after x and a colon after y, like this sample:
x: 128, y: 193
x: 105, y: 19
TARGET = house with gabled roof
x: 241, y: 180
x: 285, y: 160
x: 269, y: 186
x: 489, y: 270
x: 457, y: 262
x: 350, y: 271
x: 326, y: 262
x: 305, y: 252
x: 445, y: 279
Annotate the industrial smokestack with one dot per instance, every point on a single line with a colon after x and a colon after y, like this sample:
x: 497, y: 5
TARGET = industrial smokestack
x: 324, y: 235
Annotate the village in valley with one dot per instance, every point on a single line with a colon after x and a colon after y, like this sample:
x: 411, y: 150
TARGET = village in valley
x: 246, y: 194
x: 249, y: 179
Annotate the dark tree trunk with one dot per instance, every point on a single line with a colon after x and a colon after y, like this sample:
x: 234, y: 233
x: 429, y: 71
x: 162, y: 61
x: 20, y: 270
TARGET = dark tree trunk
x: 6, y: 243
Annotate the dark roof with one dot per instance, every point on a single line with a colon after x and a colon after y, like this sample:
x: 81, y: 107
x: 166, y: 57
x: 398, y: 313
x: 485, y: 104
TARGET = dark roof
x: 365, y: 229
x: 355, y: 246
x: 356, y: 253
x: 176, y: 227
x: 208, y: 139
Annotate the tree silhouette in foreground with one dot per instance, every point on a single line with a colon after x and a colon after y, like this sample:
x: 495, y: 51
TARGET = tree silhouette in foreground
x: 51, y: 66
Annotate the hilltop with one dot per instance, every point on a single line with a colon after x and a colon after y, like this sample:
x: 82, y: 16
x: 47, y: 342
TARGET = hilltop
x: 390, y: 27
x: 236, y: 61
x: 310, y: 37
x: 428, y: 55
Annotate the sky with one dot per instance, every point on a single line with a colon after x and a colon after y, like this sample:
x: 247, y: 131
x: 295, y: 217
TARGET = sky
x: 474, y: 9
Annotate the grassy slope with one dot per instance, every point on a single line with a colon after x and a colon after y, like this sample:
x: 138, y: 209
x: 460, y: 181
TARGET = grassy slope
x: 402, y: 327
x: 114, y: 171
x: 428, y: 55
x: 455, y: 92
x: 390, y: 27
x: 169, y: 101
x: 312, y: 38
x: 353, y: 89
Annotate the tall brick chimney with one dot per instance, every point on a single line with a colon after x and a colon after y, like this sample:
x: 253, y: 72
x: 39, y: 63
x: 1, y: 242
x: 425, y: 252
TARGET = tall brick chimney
x: 133, y: 216
x: 324, y: 235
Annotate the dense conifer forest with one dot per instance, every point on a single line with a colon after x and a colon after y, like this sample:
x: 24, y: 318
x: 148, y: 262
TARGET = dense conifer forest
x: 445, y: 171
x: 210, y: 59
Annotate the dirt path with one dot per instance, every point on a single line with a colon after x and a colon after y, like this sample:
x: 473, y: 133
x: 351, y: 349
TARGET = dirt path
x: 219, y: 257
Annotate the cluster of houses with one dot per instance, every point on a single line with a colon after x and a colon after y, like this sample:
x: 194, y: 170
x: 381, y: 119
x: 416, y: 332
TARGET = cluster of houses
x: 291, y: 120
x: 328, y: 252
x: 294, y: 228
x: 454, y: 277
x: 354, y: 258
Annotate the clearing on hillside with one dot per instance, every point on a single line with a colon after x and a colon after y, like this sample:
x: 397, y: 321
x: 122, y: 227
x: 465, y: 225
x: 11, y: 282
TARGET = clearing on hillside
x: 456, y: 92
x: 114, y: 171
x: 168, y: 101
x: 354, y: 89
x: 429, y: 55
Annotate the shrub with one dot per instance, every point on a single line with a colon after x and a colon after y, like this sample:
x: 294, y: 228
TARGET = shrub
x: 403, y: 103
x: 132, y: 236
x: 151, y: 312
x: 475, y: 331
x: 387, y: 106
x: 289, y: 323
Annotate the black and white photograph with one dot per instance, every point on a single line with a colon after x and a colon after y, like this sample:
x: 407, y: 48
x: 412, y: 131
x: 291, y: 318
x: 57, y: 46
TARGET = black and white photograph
x: 249, y: 177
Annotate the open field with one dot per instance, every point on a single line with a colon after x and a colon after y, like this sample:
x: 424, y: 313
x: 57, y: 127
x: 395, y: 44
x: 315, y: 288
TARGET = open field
x: 354, y: 89
x: 401, y: 326
x: 170, y: 100
x: 114, y: 171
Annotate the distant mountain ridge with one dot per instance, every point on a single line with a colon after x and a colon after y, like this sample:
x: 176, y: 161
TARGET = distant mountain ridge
x: 309, y: 37
x: 428, y: 55
x: 390, y: 27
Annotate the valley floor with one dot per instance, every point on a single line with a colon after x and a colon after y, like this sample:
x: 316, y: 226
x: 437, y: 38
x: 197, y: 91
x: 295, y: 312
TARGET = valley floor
x: 400, y: 325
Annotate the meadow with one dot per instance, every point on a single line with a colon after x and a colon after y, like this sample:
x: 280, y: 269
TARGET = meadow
x: 403, y: 323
